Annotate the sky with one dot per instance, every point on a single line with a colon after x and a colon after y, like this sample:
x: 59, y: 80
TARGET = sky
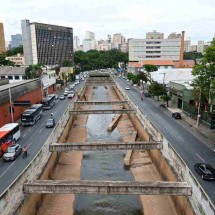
x: 132, y: 18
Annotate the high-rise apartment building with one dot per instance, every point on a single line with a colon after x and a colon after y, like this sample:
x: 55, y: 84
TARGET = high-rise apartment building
x: 118, y: 39
x: 16, y: 41
x: 76, y: 42
x: 89, y: 35
x: 88, y: 45
x: 157, y: 49
x: 2, y: 38
x: 46, y: 44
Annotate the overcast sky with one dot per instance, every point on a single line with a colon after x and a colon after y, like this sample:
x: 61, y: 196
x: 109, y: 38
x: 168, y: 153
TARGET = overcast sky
x: 132, y: 18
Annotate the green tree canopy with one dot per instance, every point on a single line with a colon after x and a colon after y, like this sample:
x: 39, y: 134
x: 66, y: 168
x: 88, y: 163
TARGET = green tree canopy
x: 157, y: 89
x: 94, y: 59
x: 204, y: 73
x: 192, y: 55
x: 5, y: 62
x: 15, y: 51
x: 33, y: 71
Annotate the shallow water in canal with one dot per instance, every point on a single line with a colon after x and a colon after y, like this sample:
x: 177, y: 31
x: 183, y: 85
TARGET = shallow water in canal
x: 105, y: 165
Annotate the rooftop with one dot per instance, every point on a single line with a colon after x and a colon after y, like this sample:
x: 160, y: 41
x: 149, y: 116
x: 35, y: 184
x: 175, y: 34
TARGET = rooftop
x: 9, y: 70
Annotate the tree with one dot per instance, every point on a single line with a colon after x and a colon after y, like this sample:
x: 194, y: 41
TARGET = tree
x: 5, y: 62
x: 192, y: 55
x: 33, y: 71
x: 15, y: 51
x: 166, y: 97
x: 67, y: 63
x: 157, y: 89
x: 150, y: 68
x: 204, y: 74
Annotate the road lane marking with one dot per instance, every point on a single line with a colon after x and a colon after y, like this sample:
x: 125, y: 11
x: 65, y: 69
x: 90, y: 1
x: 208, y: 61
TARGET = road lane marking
x: 29, y: 130
x: 200, y: 157
x: 7, y: 169
x: 40, y: 130
x: 24, y: 135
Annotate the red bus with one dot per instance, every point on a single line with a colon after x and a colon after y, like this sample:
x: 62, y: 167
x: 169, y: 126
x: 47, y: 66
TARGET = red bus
x: 9, y: 134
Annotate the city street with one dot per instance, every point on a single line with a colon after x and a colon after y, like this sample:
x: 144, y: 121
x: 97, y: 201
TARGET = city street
x: 34, y: 136
x: 192, y: 147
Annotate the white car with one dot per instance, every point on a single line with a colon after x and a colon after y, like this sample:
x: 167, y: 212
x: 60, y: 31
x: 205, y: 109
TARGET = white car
x: 127, y: 88
x: 127, y: 80
x: 70, y: 95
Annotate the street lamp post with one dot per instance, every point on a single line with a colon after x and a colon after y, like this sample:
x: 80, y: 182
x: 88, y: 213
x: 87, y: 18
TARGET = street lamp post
x: 11, y: 107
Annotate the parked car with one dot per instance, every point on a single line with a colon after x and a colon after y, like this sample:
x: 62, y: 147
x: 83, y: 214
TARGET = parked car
x: 62, y: 97
x: 65, y: 93
x: 176, y: 115
x: 70, y: 95
x: 50, y: 123
x: 127, y: 88
x: 206, y: 171
x: 147, y: 95
x: 12, y: 152
x: 127, y: 80
x: 134, y: 85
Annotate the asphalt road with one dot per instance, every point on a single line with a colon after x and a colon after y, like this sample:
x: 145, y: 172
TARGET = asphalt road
x: 190, y: 145
x: 34, y: 136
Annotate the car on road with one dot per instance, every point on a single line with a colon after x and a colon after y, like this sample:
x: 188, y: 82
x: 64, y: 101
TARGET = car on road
x: 12, y: 152
x: 206, y: 171
x: 127, y: 88
x: 70, y: 95
x: 176, y: 115
x: 134, y: 85
x: 147, y: 95
x: 62, y: 97
x: 127, y: 80
x: 65, y: 93
x: 50, y: 123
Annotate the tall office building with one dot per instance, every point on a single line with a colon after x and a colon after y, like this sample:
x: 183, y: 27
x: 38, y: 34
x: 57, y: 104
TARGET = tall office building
x: 2, y: 38
x: 76, y: 42
x: 46, y: 44
x: 89, y: 35
x: 16, y: 40
x: 187, y: 44
x: 156, y: 48
x: 118, y: 39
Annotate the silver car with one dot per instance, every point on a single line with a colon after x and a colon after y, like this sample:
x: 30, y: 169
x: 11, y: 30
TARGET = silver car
x: 12, y: 152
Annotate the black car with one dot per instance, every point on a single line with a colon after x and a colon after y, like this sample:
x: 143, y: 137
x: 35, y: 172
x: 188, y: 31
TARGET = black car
x: 176, y: 115
x: 206, y: 171
x: 50, y: 123
x: 147, y: 95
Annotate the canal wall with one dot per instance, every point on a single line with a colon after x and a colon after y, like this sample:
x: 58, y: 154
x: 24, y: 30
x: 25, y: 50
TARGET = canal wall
x: 172, y: 167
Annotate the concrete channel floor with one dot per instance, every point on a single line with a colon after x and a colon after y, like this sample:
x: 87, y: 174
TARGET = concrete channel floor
x: 69, y: 167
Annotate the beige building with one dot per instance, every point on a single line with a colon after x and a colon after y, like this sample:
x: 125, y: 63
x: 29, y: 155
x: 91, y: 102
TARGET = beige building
x: 2, y: 38
x: 154, y: 35
x: 118, y: 39
x: 193, y: 48
x: 18, y: 59
x: 187, y: 44
x: 157, y: 49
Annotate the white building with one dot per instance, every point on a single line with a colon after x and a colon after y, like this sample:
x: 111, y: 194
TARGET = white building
x: 48, y: 80
x: 187, y: 44
x: 155, y: 49
x: 76, y: 42
x: 18, y: 59
x: 88, y: 45
x: 89, y: 35
x: 200, y: 46
x: 118, y: 39
x: 14, y: 74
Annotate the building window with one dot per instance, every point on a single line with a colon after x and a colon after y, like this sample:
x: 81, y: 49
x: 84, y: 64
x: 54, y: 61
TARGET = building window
x: 2, y: 77
x: 10, y: 77
x: 23, y: 77
x: 16, y: 77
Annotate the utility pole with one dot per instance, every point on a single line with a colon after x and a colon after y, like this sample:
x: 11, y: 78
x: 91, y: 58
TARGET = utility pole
x: 11, y: 107
x: 199, y: 105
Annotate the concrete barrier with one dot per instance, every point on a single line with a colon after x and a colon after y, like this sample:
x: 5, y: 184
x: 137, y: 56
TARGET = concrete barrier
x: 199, y: 200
